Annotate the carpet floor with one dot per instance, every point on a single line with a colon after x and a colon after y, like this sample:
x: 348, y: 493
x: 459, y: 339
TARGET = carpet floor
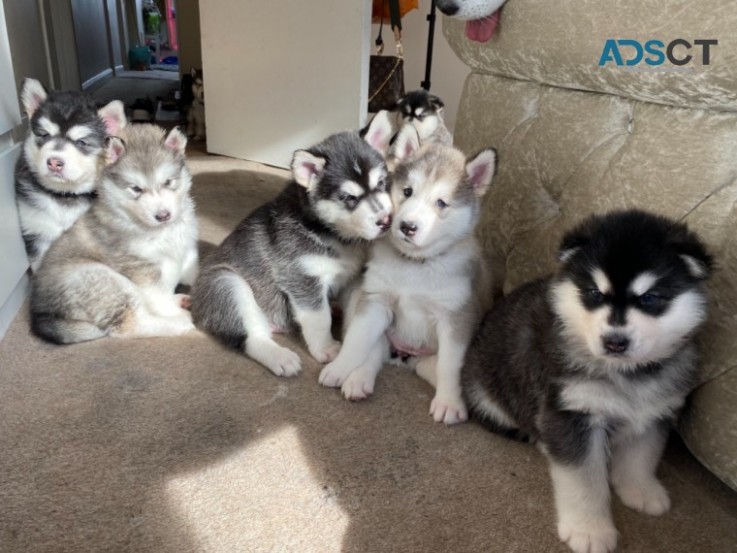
x: 181, y: 445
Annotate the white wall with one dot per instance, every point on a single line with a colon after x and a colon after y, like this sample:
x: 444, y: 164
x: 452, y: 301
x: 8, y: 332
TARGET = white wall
x: 282, y: 75
x: 448, y: 72
x: 26, y: 40
x: 13, y: 281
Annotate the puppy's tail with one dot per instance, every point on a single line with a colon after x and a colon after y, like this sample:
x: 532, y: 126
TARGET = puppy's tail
x: 58, y: 330
x: 220, y: 301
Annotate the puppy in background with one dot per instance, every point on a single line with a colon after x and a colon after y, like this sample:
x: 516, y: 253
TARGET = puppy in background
x: 424, y: 111
x: 114, y: 272
x: 419, y: 299
x: 196, y: 110
x: 285, y: 261
x: 594, y: 362
x: 63, y: 158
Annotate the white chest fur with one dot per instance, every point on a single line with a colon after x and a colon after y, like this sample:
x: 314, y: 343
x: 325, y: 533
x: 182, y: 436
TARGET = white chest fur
x: 632, y: 403
x: 169, y: 247
x: 420, y: 293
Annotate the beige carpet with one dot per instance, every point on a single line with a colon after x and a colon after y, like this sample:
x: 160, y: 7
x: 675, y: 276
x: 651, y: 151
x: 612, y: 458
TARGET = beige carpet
x: 179, y: 445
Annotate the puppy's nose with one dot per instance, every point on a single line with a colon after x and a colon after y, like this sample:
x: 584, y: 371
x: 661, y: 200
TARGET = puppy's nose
x: 447, y: 7
x: 163, y: 216
x: 408, y: 228
x: 615, y: 343
x: 384, y: 222
x: 55, y: 164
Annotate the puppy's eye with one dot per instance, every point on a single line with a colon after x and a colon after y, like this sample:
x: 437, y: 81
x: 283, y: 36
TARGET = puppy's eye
x: 170, y: 183
x: 421, y: 116
x: 81, y: 143
x: 595, y: 296
x: 381, y: 187
x: 649, y: 300
x: 441, y: 204
x: 407, y: 192
x: 137, y: 190
x: 349, y: 200
x: 43, y: 135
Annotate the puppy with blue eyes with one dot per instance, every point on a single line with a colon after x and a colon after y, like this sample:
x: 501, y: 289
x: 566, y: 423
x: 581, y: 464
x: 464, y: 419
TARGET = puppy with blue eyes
x: 63, y: 158
x: 593, y: 364
x: 114, y: 272
x: 420, y: 298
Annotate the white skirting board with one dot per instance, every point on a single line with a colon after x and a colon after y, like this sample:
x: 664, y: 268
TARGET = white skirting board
x: 12, y: 305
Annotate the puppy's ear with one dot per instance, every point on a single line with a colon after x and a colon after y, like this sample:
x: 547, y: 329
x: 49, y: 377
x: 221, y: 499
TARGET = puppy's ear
x: 691, y: 250
x: 114, y: 149
x: 436, y: 103
x: 193, y: 72
x: 480, y: 170
x: 176, y: 141
x: 406, y: 143
x: 575, y: 239
x: 113, y: 115
x: 32, y: 96
x: 307, y: 168
x: 378, y: 133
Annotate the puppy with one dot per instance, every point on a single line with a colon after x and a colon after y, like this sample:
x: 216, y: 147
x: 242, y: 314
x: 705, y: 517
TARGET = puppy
x: 114, y: 272
x: 424, y: 111
x: 63, y: 158
x: 594, y: 363
x: 418, y: 297
x: 284, y: 262
x: 196, y: 110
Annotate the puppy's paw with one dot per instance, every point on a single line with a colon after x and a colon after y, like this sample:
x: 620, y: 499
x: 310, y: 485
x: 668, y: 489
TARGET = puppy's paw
x: 284, y: 362
x: 176, y: 326
x: 647, y: 497
x: 184, y: 301
x: 448, y: 410
x: 326, y: 353
x: 598, y: 536
x: 359, y: 384
x: 334, y: 374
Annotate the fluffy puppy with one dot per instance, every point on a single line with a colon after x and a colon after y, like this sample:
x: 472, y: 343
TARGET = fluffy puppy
x: 594, y: 362
x: 284, y: 262
x: 63, y: 158
x: 114, y: 272
x: 419, y: 296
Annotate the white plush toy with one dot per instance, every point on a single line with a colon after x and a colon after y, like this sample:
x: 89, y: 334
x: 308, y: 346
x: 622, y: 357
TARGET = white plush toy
x: 481, y: 16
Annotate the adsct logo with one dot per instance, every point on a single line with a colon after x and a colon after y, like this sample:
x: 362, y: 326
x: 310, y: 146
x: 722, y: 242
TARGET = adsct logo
x: 625, y: 52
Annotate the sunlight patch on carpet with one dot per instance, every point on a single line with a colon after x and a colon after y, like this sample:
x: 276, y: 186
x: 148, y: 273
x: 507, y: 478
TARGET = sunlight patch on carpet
x: 240, y: 505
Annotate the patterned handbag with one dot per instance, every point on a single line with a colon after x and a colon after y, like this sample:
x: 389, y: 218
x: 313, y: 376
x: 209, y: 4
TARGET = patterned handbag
x: 386, y: 73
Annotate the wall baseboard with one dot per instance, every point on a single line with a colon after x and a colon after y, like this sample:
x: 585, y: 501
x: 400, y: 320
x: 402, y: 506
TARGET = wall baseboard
x: 101, y: 75
x: 13, y: 304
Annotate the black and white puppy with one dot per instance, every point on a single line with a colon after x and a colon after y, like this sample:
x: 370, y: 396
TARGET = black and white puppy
x: 285, y: 261
x: 424, y: 111
x: 62, y: 161
x: 594, y: 363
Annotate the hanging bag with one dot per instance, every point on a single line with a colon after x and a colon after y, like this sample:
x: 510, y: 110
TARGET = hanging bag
x: 386, y: 73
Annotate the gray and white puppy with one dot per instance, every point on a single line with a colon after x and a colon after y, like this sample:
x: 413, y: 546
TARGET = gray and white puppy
x: 114, y: 272
x: 287, y: 259
x: 62, y: 162
x: 594, y: 362
x: 424, y: 111
x: 420, y: 293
